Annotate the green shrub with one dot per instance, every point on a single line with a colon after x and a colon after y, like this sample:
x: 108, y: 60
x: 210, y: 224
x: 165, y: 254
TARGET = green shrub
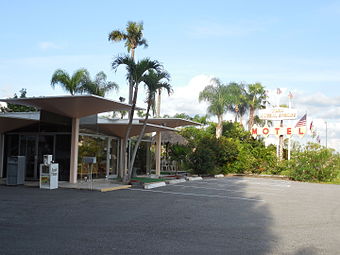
x: 314, y: 163
x: 211, y: 155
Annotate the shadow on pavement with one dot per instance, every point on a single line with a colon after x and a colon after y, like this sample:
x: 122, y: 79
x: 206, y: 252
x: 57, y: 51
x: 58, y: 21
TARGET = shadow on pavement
x: 34, y: 221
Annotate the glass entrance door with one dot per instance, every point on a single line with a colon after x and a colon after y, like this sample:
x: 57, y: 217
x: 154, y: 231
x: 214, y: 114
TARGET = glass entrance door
x: 33, y: 147
x: 28, y: 148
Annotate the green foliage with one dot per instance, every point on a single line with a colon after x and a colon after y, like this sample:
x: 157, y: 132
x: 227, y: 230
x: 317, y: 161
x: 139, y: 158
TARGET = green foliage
x: 99, y: 86
x: 133, y: 36
x: 235, y: 152
x: 18, y: 108
x: 254, y: 157
x: 212, y: 155
x: 314, y: 163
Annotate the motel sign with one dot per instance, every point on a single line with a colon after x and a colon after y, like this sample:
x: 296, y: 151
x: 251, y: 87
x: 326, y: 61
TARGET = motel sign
x: 277, y: 131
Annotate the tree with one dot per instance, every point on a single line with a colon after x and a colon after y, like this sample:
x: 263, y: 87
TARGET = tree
x: 18, y: 108
x: 236, y: 100
x: 217, y: 96
x: 73, y: 84
x: 133, y: 37
x: 136, y: 73
x: 99, y: 86
x: 255, y: 96
x: 153, y: 82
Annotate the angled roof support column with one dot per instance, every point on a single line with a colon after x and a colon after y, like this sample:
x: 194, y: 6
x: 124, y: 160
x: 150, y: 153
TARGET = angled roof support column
x: 74, y: 150
x: 158, y: 152
x: 1, y: 154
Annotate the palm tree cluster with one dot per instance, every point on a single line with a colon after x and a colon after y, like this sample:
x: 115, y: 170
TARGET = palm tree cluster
x: 152, y: 74
x: 80, y: 82
x: 146, y: 71
x: 237, y: 98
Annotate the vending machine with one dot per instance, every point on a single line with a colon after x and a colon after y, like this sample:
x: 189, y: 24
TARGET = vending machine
x: 48, y: 173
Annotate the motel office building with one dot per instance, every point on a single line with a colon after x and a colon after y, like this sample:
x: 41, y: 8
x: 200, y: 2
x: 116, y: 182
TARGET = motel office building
x: 68, y: 127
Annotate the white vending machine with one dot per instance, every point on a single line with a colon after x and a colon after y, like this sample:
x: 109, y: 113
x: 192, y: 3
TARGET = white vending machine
x: 49, y: 173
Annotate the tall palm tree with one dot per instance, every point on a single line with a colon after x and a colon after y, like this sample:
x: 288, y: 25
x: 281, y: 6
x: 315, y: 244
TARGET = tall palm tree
x: 237, y: 102
x: 99, y: 86
x: 133, y: 38
x: 72, y: 84
x: 256, y: 96
x: 136, y: 73
x: 217, y: 96
x: 153, y: 82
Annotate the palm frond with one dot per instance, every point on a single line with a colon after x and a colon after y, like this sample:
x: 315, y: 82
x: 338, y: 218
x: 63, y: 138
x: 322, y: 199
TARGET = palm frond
x: 117, y: 36
x: 60, y: 76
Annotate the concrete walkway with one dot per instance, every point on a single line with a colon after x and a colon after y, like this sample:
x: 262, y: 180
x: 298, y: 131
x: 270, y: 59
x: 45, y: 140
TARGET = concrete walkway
x: 101, y: 185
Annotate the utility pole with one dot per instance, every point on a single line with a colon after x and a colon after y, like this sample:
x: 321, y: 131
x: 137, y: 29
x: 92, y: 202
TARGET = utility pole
x: 326, y: 133
x: 158, y: 135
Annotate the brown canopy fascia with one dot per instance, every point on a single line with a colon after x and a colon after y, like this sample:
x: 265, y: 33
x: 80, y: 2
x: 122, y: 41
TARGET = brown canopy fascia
x: 119, y: 129
x: 171, y: 122
x: 71, y: 106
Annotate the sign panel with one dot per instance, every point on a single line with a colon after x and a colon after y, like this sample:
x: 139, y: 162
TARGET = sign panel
x: 278, y: 113
x: 277, y: 131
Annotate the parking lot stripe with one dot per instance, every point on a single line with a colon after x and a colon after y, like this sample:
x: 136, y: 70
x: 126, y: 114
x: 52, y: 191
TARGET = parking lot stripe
x: 199, y: 195
x: 231, y: 190
x: 248, y: 182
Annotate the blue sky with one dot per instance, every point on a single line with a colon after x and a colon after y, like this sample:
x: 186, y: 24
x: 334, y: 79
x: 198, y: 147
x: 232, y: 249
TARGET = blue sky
x: 288, y: 44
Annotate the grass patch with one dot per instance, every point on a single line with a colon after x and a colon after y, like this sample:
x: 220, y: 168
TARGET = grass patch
x: 146, y: 180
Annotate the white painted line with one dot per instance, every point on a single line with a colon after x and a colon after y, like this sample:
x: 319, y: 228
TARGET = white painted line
x: 175, y: 181
x: 247, y: 182
x: 268, y: 188
x: 200, y: 195
x: 231, y: 190
x: 154, y: 185
x: 194, y: 178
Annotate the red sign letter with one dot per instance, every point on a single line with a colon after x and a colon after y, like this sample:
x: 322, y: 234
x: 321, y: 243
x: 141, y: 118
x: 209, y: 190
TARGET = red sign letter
x: 289, y: 131
x: 265, y: 131
x: 277, y: 130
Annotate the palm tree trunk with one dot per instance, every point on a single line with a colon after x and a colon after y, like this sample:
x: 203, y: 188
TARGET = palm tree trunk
x: 251, y: 117
x: 219, y: 126
x: 132, y: 161
x: 130, y: 82
x: 128, y: 131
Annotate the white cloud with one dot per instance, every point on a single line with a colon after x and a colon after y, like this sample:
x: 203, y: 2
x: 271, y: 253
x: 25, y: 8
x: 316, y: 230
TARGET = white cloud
x: 185, y: 99
x: 49, y: 46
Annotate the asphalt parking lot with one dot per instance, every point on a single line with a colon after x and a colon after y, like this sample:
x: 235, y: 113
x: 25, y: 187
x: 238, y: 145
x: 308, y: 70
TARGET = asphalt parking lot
x: 214, y: 216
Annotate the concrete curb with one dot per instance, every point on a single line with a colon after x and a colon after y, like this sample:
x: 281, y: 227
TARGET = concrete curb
x: 175, y: 181
x: 194, y: 178
x: 154, y: 185
x: 115, y: 188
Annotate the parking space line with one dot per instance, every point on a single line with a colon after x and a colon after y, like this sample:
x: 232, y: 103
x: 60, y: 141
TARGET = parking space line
x: 200, y: 195
x: 231, y: 190
x: 248, y: 182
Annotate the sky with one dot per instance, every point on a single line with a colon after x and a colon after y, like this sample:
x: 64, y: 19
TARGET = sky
x: 292, y: 45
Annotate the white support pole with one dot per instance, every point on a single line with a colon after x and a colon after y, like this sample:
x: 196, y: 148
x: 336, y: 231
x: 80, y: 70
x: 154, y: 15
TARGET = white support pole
x: 1, y: 154
x: 74, y: 150
x: 289, y: 148
x: 326, y: 134
x: 108, y: 156
x: 158, y: 137
x: 158, y: 153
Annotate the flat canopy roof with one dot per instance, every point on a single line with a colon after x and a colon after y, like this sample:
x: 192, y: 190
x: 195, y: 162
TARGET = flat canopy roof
x: 71, y: 106
x: 171, y: 122
x: 8, y: 123
x: 119, y: 129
